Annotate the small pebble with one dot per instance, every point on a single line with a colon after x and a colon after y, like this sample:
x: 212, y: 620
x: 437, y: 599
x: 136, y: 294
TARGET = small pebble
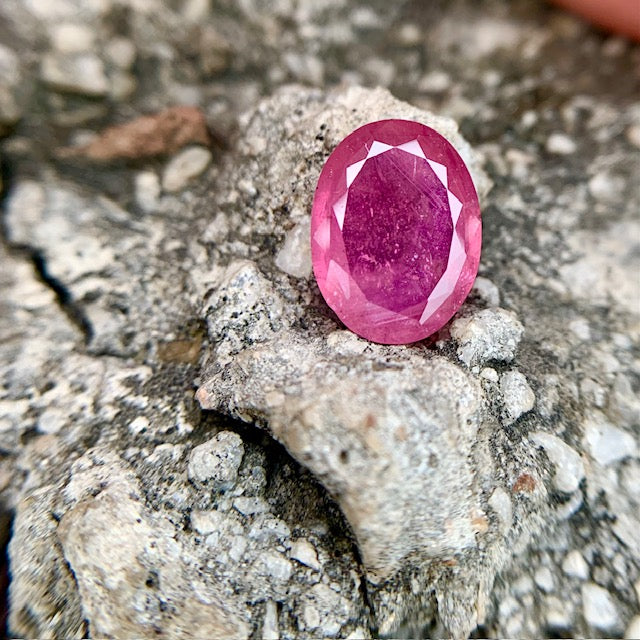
x: 517, y: 395
x: 487, y: 291
x: 490, y: 334
x: 409, y: 34
x: 147, y: 190
x: 598, y: 607
x: 294, y: 256
x: 560, y: 144
x: 575, y: 566
x: 607, y: 443
x: 249, y: 506
x: 580, y: 328
x: 185, y: 166
x: 544, y: 579
x: 206, y: 522
x: 72, y: 38
x: 569, y: 468
x: 311, y: 617
x: 605, y: 187
x: 121, y: 52
x: 434, y: 82
x: 490, y: 374
x: 138, y: 425
x: 216, y: 462
x: 76, y: 73
x: 303, y: 551
x: 275, y: 565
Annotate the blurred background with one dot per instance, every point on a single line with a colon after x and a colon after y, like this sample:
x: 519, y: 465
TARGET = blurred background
x: 530, y: 83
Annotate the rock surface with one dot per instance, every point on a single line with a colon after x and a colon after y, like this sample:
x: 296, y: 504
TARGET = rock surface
x: 410, y: 477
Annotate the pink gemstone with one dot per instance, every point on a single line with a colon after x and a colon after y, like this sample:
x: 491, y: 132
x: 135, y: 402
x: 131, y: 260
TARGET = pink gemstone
x: 395, y: 231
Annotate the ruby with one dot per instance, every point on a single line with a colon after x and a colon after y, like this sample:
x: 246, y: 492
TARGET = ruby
x: 395, y: 231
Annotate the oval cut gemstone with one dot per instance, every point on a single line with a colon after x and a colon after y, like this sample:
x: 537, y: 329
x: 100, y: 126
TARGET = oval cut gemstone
x: 395, y: 231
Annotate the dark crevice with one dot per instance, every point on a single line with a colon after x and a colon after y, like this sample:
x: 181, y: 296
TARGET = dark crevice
x: 5, y: 529
x: 71, y: 308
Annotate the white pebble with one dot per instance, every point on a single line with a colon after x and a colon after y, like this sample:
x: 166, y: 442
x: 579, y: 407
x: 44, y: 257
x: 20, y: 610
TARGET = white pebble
x: 517, y: 395
x: 569, y: 468
x: 560, y: 144
x: 138, y: 425
x: 121, y: 52
x: 409, y: 34
x: 294, y: 256
x: 605, y: 187
x: 77, y: 73
x: 490, y: 374
x: 575, y: 566
x: 206, y: 522
x: 544, y: 579
x: 434, y: 82
x: 147, y: 190
x: 311, y: 617
x: 72, y: 38
x: 487, y: 291
x: 598, y: 607
x: 607, y: 443
x: 303, y: 551
x: 185, y: 166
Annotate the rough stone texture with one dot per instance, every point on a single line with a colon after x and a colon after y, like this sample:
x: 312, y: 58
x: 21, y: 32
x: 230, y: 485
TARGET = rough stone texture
x: 113, y: 312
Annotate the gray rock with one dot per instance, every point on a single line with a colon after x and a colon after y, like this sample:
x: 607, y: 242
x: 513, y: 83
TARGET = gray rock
x: 490, y: 334
x: 216, y: 462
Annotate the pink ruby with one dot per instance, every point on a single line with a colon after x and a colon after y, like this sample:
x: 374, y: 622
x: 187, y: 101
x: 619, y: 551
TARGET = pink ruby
x: 395, y: 231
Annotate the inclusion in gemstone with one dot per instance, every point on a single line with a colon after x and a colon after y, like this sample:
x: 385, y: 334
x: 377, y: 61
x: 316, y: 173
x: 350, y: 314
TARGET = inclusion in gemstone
x: 395, y: 231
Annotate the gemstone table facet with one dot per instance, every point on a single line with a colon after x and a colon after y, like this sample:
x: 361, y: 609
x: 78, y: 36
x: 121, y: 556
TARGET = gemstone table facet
x: 395, y: 231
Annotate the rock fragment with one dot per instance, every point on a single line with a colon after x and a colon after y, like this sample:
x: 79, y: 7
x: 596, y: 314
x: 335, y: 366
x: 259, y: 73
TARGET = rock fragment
x: 185, y: 166
x: 81, y: 73
x: 216, y: 462
x: 575, y: 566
x: 163, y: 133
x: 517, y: 395
x: 569, y: 468
x: 598, y: 607
x: 489, y: 334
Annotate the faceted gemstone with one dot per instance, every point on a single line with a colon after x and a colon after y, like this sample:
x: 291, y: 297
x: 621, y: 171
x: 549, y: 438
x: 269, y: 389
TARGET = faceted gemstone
x: 395, y: 231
